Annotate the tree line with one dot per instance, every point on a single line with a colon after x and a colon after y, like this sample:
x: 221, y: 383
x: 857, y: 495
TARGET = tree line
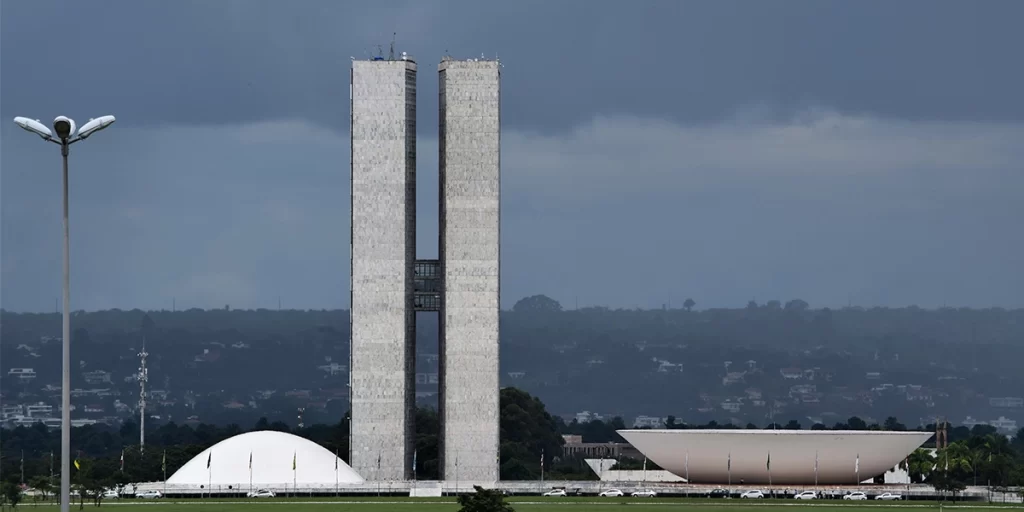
x: 528, y: 433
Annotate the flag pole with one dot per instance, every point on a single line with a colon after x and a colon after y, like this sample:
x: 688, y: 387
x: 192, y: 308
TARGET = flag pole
x: 815, y: 470
x: 729, y: 469
x: 163, y: 467
x: 542, y: 468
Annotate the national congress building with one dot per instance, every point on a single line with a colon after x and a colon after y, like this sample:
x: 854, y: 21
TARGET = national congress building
x: 389, y: 284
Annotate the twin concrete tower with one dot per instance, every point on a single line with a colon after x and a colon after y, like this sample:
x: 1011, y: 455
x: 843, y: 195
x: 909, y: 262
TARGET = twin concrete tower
x: 389, y: 285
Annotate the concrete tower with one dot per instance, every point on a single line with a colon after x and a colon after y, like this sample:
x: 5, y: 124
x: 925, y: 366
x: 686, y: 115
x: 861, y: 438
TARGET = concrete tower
x: 382, y: 365
x: 469, y: 140
x: 389, y: 285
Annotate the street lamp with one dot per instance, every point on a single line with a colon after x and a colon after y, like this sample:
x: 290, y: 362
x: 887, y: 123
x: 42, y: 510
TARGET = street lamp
x: 66, y: 136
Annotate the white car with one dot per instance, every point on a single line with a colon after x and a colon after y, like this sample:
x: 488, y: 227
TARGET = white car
x: 151, y: 494
x: 612, y: 493
x: 753, y: 495
x: 110, y: 494
x: 889, y: 496
x: 260, y: 493
x: 644, y: 494
x: 806, y: 495
x: 857, y: 496
x: 555, y: 492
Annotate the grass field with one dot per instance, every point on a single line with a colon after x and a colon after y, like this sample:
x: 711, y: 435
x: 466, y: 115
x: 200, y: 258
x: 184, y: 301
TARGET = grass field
x: 524, y: 504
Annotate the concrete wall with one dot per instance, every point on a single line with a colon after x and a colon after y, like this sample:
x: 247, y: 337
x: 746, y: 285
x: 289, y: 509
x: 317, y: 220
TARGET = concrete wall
x: 383, y: 130
x: 469, y: 160
x: 718, y: 456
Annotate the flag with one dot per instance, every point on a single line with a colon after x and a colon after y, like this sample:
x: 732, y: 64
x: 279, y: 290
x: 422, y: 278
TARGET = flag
x: 815, y: 462
x: 250, y: 461
x: 122, y: 460
x: 413, y: 462
x: 163, y: 465
x: 768, y: 464
x: 856, y: 465
x: 77, y: 465
x: 336, y: 460
x: 686, y: 465
x: 541, y: 457
x: 645, y: 463
x: 209, y: 458
x: 728, y: 463
x: 293, y: 460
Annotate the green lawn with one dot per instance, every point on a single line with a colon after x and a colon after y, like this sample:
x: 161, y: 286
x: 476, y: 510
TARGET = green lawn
x: 524, y: 504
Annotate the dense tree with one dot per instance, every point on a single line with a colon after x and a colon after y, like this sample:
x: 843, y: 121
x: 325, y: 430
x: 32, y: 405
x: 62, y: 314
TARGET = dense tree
x: 527, y: 430
x: 484, y: 500
x: 918, y: 465
x: 537, y: 303
x: 11, y: 493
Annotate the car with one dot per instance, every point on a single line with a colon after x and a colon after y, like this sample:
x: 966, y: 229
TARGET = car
x: 752, y: 495
x: 110, y: 494
x: 612, y: 493
x: 644, y: 494
x: 260, y: 493
x: 855, y: 496
x: 889, y: 496
x: 806, y: 495
x: 718, y: 493
x: 150, y: 494
x: 555, y: 492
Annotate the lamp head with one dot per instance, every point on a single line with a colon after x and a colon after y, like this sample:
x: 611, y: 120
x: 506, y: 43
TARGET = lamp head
x: 95, y: 125
x: 34, y: 126
x: 64, y: 127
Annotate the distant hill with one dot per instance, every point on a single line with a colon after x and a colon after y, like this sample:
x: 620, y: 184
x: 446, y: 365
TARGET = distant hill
x: 774, y: 360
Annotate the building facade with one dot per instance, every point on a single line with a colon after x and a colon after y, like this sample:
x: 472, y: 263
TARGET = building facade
x: 389, y: 285
x: 469, y: 141
x: 776, y: 457
x: 383, y: 329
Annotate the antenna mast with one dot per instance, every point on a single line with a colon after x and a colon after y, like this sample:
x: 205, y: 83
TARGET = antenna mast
x: 391, y: 54
x: 143, y: 378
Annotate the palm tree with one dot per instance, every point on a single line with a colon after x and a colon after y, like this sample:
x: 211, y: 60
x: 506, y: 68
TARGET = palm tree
x: 956, y: 460
x: 918, y: 465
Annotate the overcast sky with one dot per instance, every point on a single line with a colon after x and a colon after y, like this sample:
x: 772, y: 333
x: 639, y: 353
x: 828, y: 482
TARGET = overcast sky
x: 866, y: 152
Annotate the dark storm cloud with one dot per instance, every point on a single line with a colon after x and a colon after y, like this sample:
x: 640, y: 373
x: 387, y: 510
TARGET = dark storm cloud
x: 651, y: 151
x: 194, y: 62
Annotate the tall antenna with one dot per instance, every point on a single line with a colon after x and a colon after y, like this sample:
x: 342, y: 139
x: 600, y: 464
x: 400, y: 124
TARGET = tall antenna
x: 391, y: 53
x: 143, y: 378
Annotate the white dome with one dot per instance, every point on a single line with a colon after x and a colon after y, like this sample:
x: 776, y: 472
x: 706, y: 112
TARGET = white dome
x: 272, y: 454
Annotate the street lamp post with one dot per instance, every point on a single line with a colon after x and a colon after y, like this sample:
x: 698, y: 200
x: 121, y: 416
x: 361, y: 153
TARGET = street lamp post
x: 66, y: 136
